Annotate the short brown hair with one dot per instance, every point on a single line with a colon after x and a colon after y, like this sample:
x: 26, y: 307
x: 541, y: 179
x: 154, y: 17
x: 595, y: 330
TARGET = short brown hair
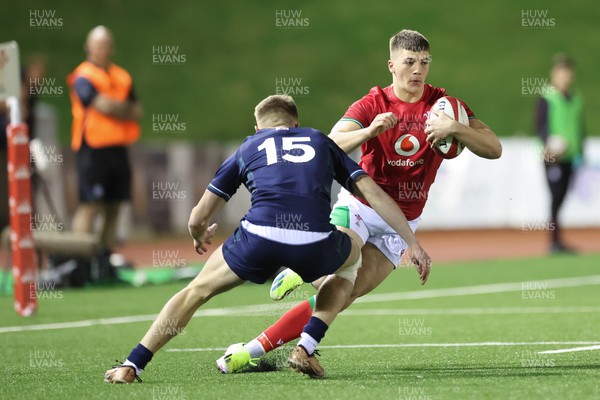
x: 409, y: 40
x: 563, y: 61
x: 275, y: 110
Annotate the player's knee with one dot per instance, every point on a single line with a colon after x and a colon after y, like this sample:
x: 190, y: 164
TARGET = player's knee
x: 317, y: 284
x: 348, y: 275
x: 364, y: 282
x: 198, y: 294
x: 356, y: 293
x: 353, y: 296
x: 358, y: 290
x: 350, y: 272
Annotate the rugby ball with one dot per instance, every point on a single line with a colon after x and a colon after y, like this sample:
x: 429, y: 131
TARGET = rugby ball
x: 455, y: 109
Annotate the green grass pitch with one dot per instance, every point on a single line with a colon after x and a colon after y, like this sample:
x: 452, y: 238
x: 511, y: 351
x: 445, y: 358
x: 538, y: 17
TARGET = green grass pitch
x: 377, y: 350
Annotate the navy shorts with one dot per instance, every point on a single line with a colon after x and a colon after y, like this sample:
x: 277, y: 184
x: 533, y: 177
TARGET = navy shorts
x: 104, y: 174
x: 255, y: 259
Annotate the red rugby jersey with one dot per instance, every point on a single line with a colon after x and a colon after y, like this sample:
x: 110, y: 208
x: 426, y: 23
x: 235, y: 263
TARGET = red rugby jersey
x: 400, y: 159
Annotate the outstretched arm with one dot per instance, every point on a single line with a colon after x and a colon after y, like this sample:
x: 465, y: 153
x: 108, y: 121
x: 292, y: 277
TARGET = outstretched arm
x: 209, y: 204
x: 390, y: 213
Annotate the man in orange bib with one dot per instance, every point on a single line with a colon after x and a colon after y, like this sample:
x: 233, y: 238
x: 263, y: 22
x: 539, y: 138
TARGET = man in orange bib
x: 105, y: 121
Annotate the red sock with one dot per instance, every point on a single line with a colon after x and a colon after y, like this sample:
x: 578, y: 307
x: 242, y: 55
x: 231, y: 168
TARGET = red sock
x: 287, y: 328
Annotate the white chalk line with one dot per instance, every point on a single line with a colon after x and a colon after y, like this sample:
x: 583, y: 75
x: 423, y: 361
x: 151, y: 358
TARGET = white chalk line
x: 587, y: 348
x: 280, y: 308
x: 540, y: 284
x: 401, y: 345
x: 472, y: 311
x: 262, y: 308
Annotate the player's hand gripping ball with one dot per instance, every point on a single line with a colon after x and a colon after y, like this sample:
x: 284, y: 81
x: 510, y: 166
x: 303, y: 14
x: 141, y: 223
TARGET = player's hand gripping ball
x: 451, y: 106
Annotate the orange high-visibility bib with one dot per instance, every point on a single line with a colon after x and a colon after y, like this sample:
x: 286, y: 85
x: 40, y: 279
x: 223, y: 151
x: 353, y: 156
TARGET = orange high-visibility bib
x: 101, y: 130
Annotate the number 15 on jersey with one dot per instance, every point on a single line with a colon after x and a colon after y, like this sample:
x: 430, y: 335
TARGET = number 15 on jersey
x: 290, y: 147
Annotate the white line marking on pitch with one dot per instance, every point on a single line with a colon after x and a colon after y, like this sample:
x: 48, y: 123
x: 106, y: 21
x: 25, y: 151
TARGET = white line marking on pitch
x: 79, y: 324
x: 587, y: 348
x: 480, y: 289
x: 259, y: 309
x: 470, y: 311
x: 254, y: 311
x: 395, y: 345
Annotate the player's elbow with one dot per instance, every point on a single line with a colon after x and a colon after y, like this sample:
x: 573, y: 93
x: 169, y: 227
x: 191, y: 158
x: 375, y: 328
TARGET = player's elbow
x: 369, y: 190
x: 491, y: 151
x: 495, y: 151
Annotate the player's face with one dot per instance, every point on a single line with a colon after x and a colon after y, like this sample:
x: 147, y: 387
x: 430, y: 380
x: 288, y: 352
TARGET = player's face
x: 562, y: 78
x: 409, y: 69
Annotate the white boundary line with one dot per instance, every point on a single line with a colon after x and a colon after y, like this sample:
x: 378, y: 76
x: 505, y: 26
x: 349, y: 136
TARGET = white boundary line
x: 587, y: 348
x: 482, y: 289
x: 79, y: 324
x: 399, y: 345
x: 472, y: 311
x: 260, y: 309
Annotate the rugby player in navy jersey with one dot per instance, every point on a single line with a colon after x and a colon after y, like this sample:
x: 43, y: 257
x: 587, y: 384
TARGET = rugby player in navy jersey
x: 395, y: 134
x: 288, y: 171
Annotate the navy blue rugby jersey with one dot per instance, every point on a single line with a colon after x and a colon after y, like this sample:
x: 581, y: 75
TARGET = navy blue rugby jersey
x: 289, y: 173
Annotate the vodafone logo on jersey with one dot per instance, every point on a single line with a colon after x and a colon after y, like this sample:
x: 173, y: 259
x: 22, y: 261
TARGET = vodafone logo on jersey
x: 407, y: 145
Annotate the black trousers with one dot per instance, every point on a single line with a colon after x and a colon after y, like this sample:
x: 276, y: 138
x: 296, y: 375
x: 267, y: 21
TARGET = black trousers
x: 559, y: 178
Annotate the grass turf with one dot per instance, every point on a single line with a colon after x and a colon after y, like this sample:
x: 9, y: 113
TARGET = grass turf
x: 69, y: 363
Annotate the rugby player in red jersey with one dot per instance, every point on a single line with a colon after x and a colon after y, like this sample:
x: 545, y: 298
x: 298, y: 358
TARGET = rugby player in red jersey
x: 393, y: 130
